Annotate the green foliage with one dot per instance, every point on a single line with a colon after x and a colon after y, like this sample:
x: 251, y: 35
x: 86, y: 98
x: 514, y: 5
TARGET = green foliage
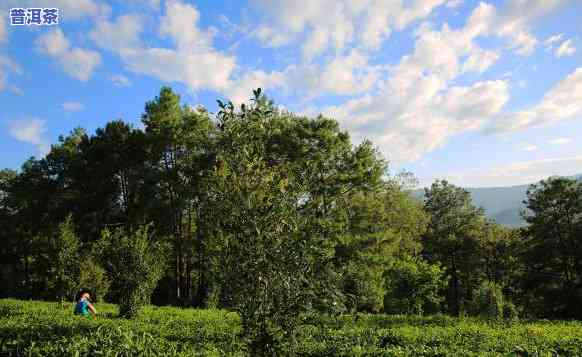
x: 67, y: 262
x: 500, y: 249
x: 413, y: 286
x: 363, y: 286
x: 94, y: 277
x: 488, y: 301
x: 270, y: 263
x: 180, y: 153
x: 553, y: 248
x: 382, y: 225
x: 510, y: 311
x: 46, y: 329
x: 453, y: 239
x: 273, y: 215
x: 135, y: 263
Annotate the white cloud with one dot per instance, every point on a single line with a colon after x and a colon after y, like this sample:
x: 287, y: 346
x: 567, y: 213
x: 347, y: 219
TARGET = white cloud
x: 270, y: 37
x: 528, y: 147
x: 7, y: 66
x: 411, y: 122
x: 560, y: 141
x: 348, y: 75
x: 151, y: 4
x: 344, y: 75
x: 365, y: 24
x: 517, y: 173
x: 521, y: 84
x: 329, y: 24
x: 514, y: 19
x: 194, y: 62
x: 565, y: 49
x: 512, y: 22
x: 180, y: 23
x: 30, y: 131
x: 120, y: 80
x: 16, y: 90
x: 524, y: 43
x: 439, y: 56
x: 77, y: 9
x: 472, y: 106
x: 563, y: 101
x: 72, y: 106
x: 3, y: 30
x: 480, y: 60
x: 452, y: 4
x: 2, y: 80
x: 553, y: 39
x: 383, y: 16
x: 209, y: 70
x: 240, y: 90
x: 80, y: 63
x: 119, y: 35
x: 53, y: 43
x: 326, y: 20
x: 228, y: 30
x: 416, y: 110
x: 77, y: 62
x: 154, y: 3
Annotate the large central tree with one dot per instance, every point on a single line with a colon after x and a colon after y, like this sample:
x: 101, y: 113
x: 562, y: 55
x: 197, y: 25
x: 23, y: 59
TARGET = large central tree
x: 273, y: 198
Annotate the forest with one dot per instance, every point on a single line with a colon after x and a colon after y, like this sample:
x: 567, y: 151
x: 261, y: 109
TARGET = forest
x: 277, y: 217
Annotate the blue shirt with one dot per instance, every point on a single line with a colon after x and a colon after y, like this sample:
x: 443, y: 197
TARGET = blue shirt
x: 82, y: 307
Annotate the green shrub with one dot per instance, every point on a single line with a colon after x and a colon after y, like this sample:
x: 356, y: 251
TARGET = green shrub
x: 488, y: 301
x: 413, y: 287
x: 363, y: 287
x: 66, y: 259
x: 136, y: 263
x: 46, y: 329
x: 94, y: 278
x: 510, y: 312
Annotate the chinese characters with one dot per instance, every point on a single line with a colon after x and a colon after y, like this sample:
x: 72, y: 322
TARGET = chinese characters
x: 34, y: 16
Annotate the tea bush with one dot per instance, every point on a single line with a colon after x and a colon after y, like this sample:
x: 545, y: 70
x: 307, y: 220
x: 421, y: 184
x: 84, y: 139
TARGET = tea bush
x: 48, y: 329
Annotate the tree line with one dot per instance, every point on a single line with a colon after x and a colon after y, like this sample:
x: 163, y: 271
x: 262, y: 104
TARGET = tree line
x: 271, y: 213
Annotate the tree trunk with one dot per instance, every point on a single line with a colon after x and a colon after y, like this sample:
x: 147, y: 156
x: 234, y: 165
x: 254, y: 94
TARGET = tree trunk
x: 178, y: 273
x: 455, y: 306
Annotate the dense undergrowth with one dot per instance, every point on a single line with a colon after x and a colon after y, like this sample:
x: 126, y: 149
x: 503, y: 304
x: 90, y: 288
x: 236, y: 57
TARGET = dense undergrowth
x: 50, y: 329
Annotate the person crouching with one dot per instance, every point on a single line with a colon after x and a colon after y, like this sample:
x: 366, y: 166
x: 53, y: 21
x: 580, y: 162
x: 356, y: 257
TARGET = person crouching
x: 84, y: 306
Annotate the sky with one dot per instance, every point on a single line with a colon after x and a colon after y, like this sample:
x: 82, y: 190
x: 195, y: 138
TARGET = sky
x: 481, y: 93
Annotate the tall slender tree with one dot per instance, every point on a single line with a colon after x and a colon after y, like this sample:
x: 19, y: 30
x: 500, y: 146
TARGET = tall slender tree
x: 178, y: 137
x: 554, y: 247
x: 66, y: 260
x: 452, y: 238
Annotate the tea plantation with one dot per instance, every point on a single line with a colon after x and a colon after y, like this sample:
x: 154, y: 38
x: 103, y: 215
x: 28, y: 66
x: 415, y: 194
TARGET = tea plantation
x: 49, y: 329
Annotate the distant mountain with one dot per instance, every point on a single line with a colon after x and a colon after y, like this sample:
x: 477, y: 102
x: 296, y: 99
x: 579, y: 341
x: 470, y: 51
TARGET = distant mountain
x: 503, y: 204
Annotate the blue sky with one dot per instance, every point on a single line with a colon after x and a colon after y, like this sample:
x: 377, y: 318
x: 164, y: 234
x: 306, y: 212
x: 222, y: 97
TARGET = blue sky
x: 483, y: 93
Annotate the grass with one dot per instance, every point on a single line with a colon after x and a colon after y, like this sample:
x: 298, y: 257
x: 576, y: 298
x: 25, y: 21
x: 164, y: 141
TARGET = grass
x: 50, y: 329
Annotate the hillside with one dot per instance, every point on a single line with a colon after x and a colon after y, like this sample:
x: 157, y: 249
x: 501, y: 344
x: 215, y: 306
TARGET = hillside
x: 500, y: 203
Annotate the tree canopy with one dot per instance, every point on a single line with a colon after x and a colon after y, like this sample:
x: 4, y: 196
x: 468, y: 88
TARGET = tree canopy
x: 273, y: 215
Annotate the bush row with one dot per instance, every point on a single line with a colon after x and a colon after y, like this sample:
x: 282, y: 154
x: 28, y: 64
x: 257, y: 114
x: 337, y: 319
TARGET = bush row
x: 50, y: 329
